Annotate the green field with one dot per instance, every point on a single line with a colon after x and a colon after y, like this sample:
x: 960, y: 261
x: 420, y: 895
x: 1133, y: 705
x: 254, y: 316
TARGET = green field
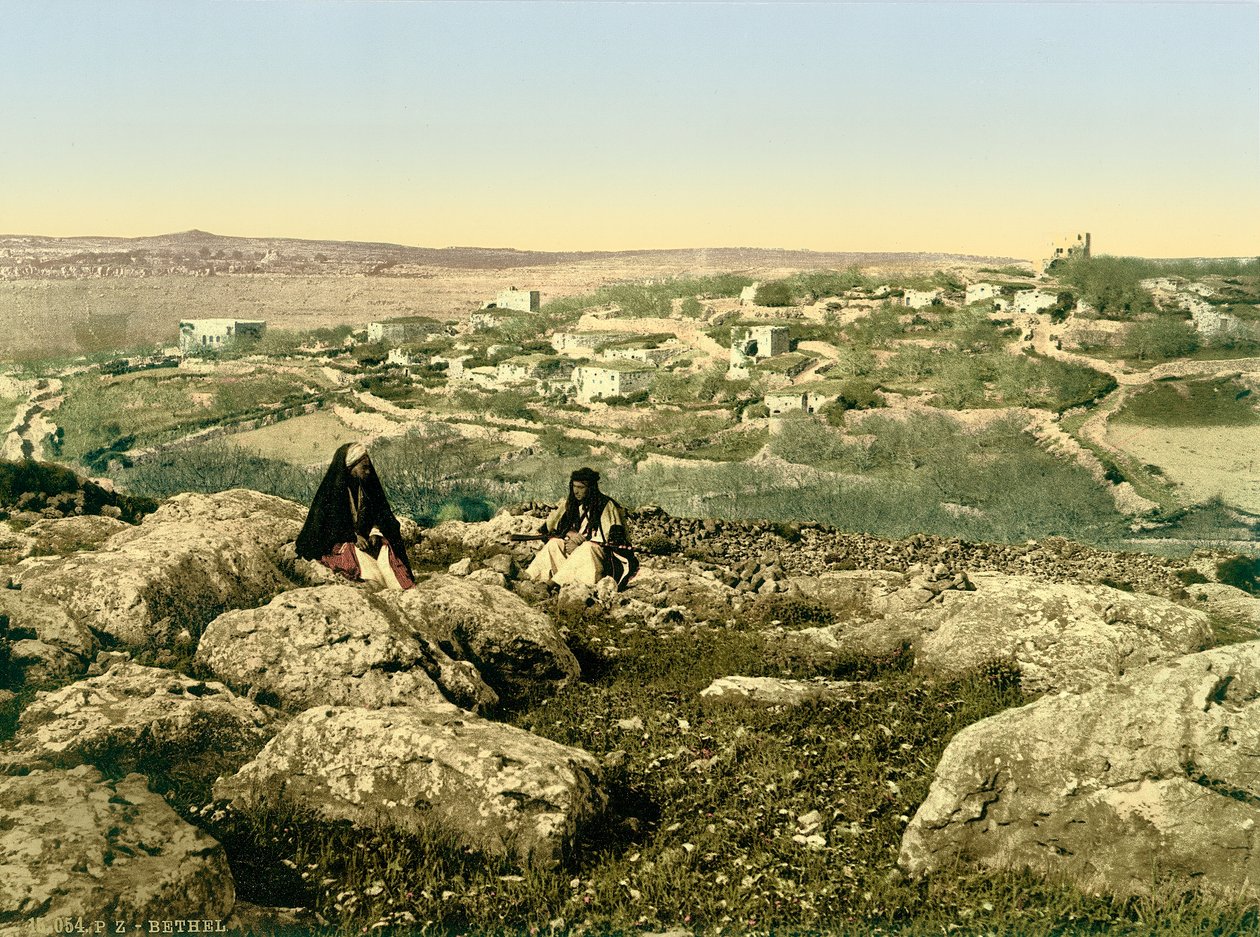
x: 156, y: 405
x: 1211, y: 402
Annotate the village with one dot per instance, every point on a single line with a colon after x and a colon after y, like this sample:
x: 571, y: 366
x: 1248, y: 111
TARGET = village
x: 783, y: 384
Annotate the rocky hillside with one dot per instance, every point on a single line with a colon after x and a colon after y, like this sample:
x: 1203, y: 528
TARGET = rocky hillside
x: 199, y: 725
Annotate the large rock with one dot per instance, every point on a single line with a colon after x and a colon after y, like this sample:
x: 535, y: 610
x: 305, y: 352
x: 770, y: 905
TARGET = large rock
x: 494, y: 787
x: 516, y: 649
x: 339, y: 645
x: 485, y: 536
x: 1236, y: 610
x: 56, y: 536
x: 63, y: 535
x: 1061, y: 636
x: 194, y: 557
x: 131, y: 718
x: 73, y: 845
x: 46, y: 645
x: 1152, y: 776
x: 849, y: 593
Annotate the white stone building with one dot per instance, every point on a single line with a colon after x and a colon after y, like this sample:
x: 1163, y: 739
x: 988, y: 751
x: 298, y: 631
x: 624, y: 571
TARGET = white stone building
x: 610, y: 379
x: 918, y: 299
x: 1033, y: 300
x: 199, y: 335
x: 979, y: 292
x: 1067, y: 248
x: 519, y: 300
x: 400, y: 330
x: 756, y: 343
x: 786, y: 400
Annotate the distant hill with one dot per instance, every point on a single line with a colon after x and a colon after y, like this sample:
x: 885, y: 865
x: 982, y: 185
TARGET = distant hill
x: 195, y: 250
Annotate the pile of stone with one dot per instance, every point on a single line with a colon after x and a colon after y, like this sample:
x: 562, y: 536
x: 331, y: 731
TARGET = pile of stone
x: 809, y: 549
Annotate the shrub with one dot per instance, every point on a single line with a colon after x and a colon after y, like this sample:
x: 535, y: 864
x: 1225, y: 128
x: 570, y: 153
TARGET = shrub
x: 775, y: 293
x: 657, y: 545
x: 1163, y: 337
x: 1190, y: 577
x: 790, y: 611
x: 1241, y: 572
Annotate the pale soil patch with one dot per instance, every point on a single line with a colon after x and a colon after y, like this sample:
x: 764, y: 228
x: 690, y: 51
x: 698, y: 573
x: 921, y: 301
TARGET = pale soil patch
x: 303, y: 440
x: 1205, y: 461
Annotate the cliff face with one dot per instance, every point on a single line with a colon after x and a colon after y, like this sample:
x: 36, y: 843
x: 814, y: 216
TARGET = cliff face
x: 195, y: 650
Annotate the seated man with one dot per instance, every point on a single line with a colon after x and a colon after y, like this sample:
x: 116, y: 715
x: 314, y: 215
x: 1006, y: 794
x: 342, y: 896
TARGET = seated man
x: 585, y: 538
x: 350, y: 527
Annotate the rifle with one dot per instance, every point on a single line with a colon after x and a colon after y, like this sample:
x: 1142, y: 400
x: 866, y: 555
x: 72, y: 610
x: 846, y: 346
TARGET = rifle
x: 523, y: 538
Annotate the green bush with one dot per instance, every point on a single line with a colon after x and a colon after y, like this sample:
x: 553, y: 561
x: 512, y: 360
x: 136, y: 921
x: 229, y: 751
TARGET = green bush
x: 657, y: 545
x: 774, y: 293
x: 1162, y: 338
x: 1211, y: 402
x: 789, y: 611
x: 1241, y: 572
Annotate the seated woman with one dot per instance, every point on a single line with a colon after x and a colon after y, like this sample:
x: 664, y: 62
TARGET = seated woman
x: 350, y: 527
x: 585, y: 538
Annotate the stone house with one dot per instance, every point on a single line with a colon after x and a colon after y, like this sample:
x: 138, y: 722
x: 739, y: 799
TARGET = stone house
x: 756, y: 343
x: 454, y: 364
x: 403, y: 357
x: 519, y: 300
x: 400, y: 330
x: 1033, y: 301
x: 488, y: 318
x: 786, y: 400
x: 199, y: 335
x: 1066, y: 249
x: 979, y: 292
x: 532, y: 368
x: 611, y: 379
x: 748, y: 295
x: 918, y: 299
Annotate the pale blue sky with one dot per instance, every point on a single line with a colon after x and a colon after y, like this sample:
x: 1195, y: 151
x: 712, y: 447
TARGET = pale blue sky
x: 974, y: 127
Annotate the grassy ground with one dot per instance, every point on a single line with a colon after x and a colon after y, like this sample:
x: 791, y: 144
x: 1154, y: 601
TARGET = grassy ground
x: 723, y: 819
x: 307, y: 439
x: 155, y: 405
x: 1212, y: 402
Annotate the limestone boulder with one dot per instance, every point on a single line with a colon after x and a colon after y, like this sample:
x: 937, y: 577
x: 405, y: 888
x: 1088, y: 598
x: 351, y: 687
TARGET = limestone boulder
x: 340, y: 645
x: 1149, y: 779
x: 849, y: 593
x: 73, y: 845
x: 496, y: 788
x: 1237, y: 610
x: 486, y: 536
x: 133, y: 718
x: 63, y: 535
x: 194, y: 557
x: 1061, y: 636
x: 46, y: 646
x: 778, y: 691
x: 517, y: 649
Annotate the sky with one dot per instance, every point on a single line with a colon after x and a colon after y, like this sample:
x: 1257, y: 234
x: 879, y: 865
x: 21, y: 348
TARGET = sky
x: 967, y: 127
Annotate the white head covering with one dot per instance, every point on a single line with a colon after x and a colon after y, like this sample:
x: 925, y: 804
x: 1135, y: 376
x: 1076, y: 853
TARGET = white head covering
x: 356, y: 452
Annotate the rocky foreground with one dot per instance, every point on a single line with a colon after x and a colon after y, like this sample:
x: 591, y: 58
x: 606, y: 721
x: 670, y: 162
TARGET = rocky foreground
x: 194, y: 646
